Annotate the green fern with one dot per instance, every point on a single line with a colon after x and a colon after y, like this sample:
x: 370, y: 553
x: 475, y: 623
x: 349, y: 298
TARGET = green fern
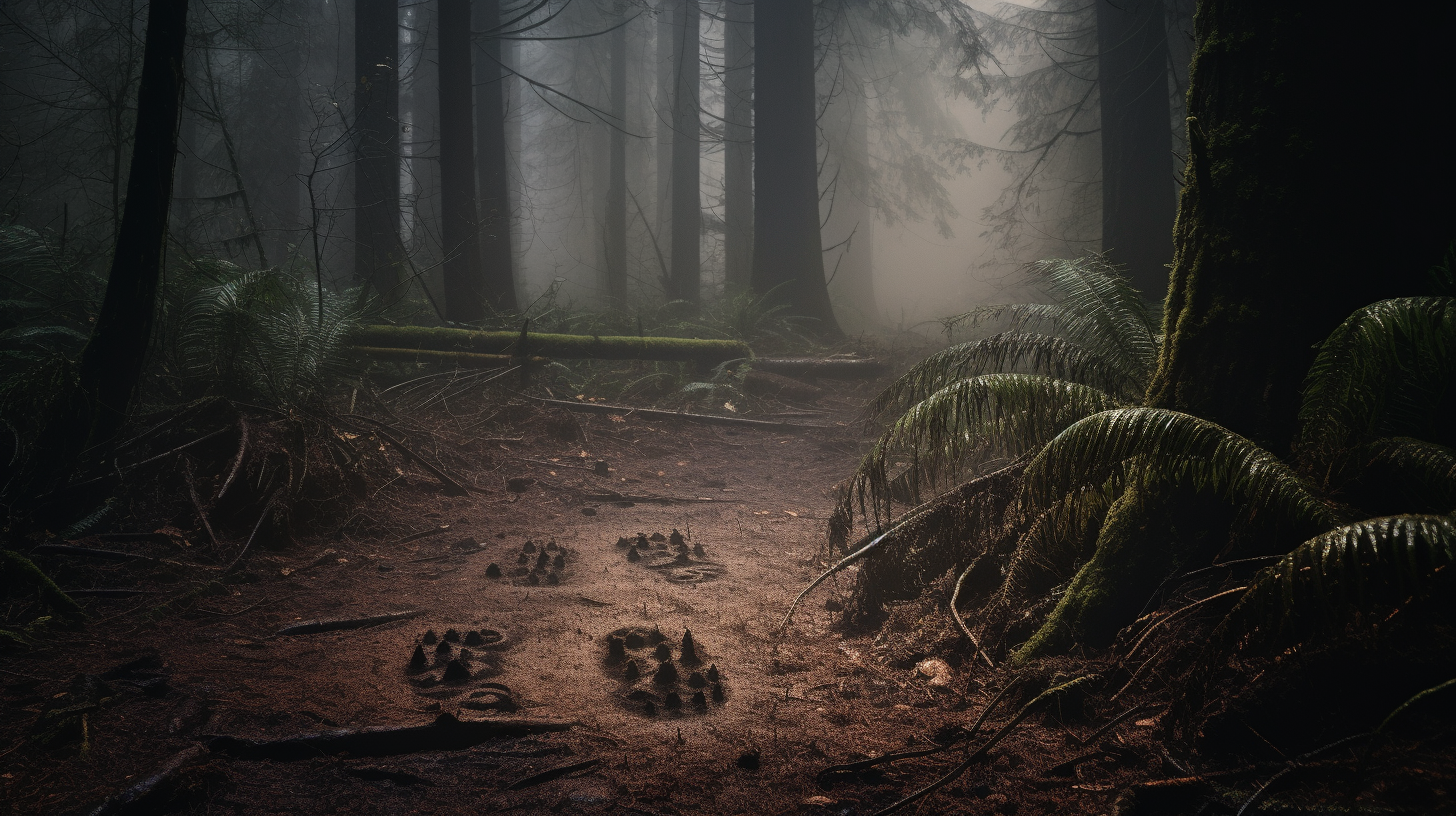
x: 1422, y: 474
x: 1173, y: 447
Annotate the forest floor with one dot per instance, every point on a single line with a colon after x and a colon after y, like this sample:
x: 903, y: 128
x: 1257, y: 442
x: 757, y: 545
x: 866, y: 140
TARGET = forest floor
x: 792, y: 704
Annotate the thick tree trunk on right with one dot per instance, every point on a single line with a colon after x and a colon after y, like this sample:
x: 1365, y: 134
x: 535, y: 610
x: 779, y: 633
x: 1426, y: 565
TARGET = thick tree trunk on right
x: 1293, y: 215
x: 492, y: 151
x: 377, y: 252
x: 738, y: 145
x: 788, y: 259
x: 686, y: 268
x: 1138, y: 196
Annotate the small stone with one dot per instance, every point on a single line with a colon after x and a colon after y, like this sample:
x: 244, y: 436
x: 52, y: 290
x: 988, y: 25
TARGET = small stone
x: 750, y: 760
x: 616, y: 648
x: 633, y: 555
x: 658, y: 537
x: 666, y: 674
x: 834, y: 605
x: 529, y: 547
x: 455, y: 672
x: 673, y: 701
x: 649, y: 708
x: 465, y: 656
x: 682, y: 559
x: 552, y: 579
x: 634, y: 641
x: 493, y: 571
x: 676, y: 539
x: 551, y: 546
x: 559, y: 562
x: 588, y: 511
x: 443, y: 648
x: 430, y: 638
x: 656, y: 636
x: 533, y: 579
x: 543, y: 559
x: 697, y: 680
x: 700, y: 700
x: 451, y: 636
x: 661, y: 545
x: 600, y: 468
x: 642, y: 541
x: 624, y: 542
x: 473, y: 638
x: 713, y: 673
x: 632, y: 673
x: 718, y: 693
x: 689, y: 647
x: 417, y: 660
x: 522, y: 558
x: 663, y: 652
x: 698, y: 550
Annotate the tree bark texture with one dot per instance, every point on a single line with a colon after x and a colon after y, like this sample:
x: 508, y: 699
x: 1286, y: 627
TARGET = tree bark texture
x: 1138, y: 193
x: 616, y: 209
x: 738, y: 145
x: 463, y: 284
x: 112, y: 362
x: 665, y: 42
x: 377, y: 251
x: 788, y: 260
x: 687, y: 210
x: 497, y: 261
x: 1294, y: 212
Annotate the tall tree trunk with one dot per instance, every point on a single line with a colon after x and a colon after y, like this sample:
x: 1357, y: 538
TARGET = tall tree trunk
x: 616, y: 226
x: 498, y: 280
x: 464, y: 293
x: 112, y: 362
x: 687, y: 209
x: 788, y: 260
x: 1138, y: 192
x: 666, y: 59
x: 1289, y: 220
x: 738, y: 145
x: 377, y: 251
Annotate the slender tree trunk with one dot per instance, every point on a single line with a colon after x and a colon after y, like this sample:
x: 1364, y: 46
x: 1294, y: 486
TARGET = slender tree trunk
x: 498, y: 280
x: 665, y: 61
x: 788, y: 260
x: 1138, y: 192
x: 687, y: 209
x: 378, y: 251
x: 738, y: 147
x: 112, y: 362
x: 616, y: 226
x: 464, y: 293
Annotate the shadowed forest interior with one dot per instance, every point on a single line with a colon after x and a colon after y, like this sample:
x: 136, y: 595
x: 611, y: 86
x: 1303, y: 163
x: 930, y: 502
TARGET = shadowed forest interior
x: 726, y: 407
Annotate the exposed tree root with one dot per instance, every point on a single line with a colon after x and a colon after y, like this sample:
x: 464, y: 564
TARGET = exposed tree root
x: 446, y: 733
x: 342, y: 624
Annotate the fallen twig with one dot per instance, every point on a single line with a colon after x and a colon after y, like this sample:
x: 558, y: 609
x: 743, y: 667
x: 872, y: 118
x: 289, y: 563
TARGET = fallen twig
x: 267, y: 511
x: 1096, y: 735
x: 423, y: 534
x: 446, y: 733
x: 91, y: 552
x: 453, y: 486
x: 650, y: 499
x: 340, y: 624
x: 653, y: 413
x: 955, y: 613
x: 552, y: 773
x: 134, y: 795
x: 238, y: 459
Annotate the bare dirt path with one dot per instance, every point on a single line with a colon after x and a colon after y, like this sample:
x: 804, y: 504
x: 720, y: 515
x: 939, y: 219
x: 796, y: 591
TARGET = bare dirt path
x: 796, y: 703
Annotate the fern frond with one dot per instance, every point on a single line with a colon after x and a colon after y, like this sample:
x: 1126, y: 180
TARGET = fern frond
x: 951, y: 431
x: 1388, y: 370
x: 1423, y: 473
x: 1007, y: 352
x: 1175, y: 447
x: 1328, y: 582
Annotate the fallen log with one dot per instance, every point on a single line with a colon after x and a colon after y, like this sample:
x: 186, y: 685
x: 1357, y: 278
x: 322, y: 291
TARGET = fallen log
x: 552, y: 773
x: 653, y: 413
x: 90, y: 552
x: 832, y: 368
x: 446, y: 733
x: 133, y: 799
x: 567, y: 346
x: 341, y: 624
x: 458, y: 359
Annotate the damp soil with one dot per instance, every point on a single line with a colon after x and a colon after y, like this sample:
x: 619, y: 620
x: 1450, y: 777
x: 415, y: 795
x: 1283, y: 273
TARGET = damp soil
x: 742, y: 724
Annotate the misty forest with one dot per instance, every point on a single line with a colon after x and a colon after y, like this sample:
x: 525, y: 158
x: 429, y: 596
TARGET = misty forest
x: 727, y: 407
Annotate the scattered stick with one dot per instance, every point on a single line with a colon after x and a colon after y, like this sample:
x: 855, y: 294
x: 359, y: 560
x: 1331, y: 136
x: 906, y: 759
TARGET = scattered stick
x: 91, y: 552
x: 1098, y: 734
x: 832, y: 368
x: 955, y: 613
x: 267, y: 511
x: 340, y: 624
x: 552, y: 773
x: 237, y: 460
x: 196, y: 502
x: 453, y: 487
x: 423, y: 534
x: 446, y: 733
x: 1155, y: 624
x: 107, y: 593
x: 653, y: 413
x: 134, y: 796
x: 648, y: 499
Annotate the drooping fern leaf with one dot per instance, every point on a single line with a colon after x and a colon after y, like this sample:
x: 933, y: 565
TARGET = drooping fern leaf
x: 1422, y: 474
x: 1177, y: 448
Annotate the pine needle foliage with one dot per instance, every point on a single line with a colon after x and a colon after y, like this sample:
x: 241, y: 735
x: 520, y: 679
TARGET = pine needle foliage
x: 1176, y: 448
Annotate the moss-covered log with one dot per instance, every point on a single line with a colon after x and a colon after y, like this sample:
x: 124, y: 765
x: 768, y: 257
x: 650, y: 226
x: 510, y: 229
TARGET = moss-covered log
x: 564, y: 346
x: 458, y: 359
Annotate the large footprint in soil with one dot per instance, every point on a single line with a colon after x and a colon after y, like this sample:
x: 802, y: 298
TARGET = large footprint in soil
x: 536, y: 565
x: 670, y: 557
x: 456, y: 664
x: 654, y: 677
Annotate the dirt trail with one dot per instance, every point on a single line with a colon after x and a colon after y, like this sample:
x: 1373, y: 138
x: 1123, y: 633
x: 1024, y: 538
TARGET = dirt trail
x: 810, y: 699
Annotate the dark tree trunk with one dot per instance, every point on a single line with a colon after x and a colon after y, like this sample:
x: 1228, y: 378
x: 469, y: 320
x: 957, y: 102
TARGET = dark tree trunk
x: 1292, y: 216
x: 662, y: 207
x: 464, y: 293
x: 738, y: 147
x: 112, y: 363
x: 377, y: 251
x: 788, y: 260
x: 687, y: 210
x: 497, y: 276
x: 616, y: 226
x: 1138, y: 192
